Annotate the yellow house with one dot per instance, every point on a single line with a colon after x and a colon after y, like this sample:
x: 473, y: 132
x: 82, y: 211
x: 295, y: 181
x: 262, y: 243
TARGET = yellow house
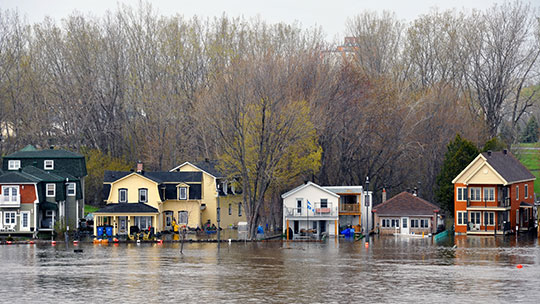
x: 230, y: 195
x: 140, y: 200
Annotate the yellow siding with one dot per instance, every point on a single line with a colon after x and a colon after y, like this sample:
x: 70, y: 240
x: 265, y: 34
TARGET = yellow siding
x: 485, y: 175
x: 466, y: 174
x: 133, y: 182
x: 233, y: 219
x: 192, y: 207
x: 208, y: 195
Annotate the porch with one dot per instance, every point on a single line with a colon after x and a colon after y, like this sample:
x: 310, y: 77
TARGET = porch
x: 125, y: 219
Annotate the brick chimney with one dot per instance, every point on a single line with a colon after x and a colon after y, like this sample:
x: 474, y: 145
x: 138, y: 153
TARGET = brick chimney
x: 139, y: 167
x: 383, y: 195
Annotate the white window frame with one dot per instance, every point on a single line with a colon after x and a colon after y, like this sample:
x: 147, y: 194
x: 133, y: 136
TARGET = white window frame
x: 463, y: 221
x: 183, y: 217
x: 479, y: 217
x: 10, y: 220
x: 141, y: 191
x: 474, y: 197
x: 120, y: 191
x: 489, y: 191
x: 526, y: 190
x: 517, y: 193
x: 299, y: 205
x: 489, y: 219
x: 14, y: 164
x: 71, y: 189
x: 21, y: 225
x: 182, y: 190
x: 48, y: 164
x: 424, y: 223
x: 10, y: 197
x: 50, y: 187
x: 461, y: 194
x: 385, y: 223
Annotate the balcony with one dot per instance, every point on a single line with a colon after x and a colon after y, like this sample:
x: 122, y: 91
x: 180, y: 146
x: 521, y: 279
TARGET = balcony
x: 318, y: 210
x: 501, y: 203
x: 10, y: 201
x: 349, y: 208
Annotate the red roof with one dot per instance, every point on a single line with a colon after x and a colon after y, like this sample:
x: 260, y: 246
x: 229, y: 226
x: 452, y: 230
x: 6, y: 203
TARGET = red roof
x: 405, y: 204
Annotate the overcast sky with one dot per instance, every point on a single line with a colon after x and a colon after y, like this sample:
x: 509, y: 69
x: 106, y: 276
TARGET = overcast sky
x: 329, y: 14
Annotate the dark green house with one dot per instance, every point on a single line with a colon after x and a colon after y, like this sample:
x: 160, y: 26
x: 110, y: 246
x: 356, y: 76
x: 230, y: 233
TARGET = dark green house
x: 41, y: 188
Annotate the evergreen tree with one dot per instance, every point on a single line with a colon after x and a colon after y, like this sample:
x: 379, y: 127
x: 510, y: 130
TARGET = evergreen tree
x: 460, y: 153
x: 494, y: 144
x: 530, y: 133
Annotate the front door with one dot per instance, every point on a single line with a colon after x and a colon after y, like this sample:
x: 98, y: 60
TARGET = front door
x: 122, y: 225
x: 404, y: 225
x: 168, y: 220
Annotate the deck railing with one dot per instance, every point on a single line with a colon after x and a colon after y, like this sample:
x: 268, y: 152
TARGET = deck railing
x: 317, y: 210
x: 349, y: 207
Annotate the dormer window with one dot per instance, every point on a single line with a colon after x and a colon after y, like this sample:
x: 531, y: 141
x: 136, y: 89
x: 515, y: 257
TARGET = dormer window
x: 182, y: 193
x: 14, y: 165
x: 224, y: 185
x: 48, y: 164
x: 71, y: 189
x: 122, y: 195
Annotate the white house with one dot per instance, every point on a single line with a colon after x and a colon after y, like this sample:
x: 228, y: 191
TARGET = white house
x: 310, y: 210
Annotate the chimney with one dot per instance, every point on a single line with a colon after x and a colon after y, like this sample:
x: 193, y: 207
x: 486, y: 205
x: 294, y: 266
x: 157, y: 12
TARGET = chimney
x: 139, y: 167
x: 505, y: 152
x: 489, y: 152
x: 383, y: 195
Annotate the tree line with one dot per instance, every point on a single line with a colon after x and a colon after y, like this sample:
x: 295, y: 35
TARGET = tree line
x: 277, y: 104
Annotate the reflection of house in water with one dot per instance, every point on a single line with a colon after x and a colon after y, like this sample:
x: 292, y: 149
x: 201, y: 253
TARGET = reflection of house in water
x: 493, y: 195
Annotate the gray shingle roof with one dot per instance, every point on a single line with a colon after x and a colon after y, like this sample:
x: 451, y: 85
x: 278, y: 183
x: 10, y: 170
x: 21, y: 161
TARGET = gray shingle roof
x: 159, y: 177
x: 508, y: 166
x: 210, y: 167
x: 127, y: 208
x: 18, y: 177
x: 47, y: 153
x: 405, y: 204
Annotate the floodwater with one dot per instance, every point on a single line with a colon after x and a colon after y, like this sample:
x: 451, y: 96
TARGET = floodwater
x: 391, y: 270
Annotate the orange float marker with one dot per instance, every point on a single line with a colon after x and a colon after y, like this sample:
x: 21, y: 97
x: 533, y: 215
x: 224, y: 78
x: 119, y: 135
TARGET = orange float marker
x: 519, y: 266
x: 31, y: 242
x: 9, y: 242
x: 366, y: 244
x: 53, y: 243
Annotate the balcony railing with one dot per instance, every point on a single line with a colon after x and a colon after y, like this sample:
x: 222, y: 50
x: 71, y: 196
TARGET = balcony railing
x: 349, y: 207
x: 317, y: 210
x: 503, y: 203
x: 10, y: 201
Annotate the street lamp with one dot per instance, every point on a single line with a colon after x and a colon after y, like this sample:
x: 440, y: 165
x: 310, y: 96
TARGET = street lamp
x: 366, y: 203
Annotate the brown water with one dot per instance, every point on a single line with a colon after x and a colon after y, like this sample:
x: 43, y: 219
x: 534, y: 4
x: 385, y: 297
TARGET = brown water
x: 392, y: 270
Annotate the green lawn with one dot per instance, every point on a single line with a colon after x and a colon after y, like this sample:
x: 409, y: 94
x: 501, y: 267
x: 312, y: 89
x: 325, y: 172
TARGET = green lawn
x: 89, y: 209
x: 531, y: 160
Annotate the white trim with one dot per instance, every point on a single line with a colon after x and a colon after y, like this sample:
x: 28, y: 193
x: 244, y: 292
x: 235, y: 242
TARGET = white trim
x: 473, y: 174
x: 467, y: 168
x: 291, y: 192
x: 16, y: 164
x: 484, y: 194
x: 188, y: 163
x: 120, y: 196
x: 145, y: 195
x: 464, y: 194
x: 479, y: 199
x: 185, y: 197
x: 74, y: 189
x: 131, y: 174
x: 50, y: 167
x: 14, y: 218
x: 21, y: 226
x: 47, y: 190
x: 463, y: 218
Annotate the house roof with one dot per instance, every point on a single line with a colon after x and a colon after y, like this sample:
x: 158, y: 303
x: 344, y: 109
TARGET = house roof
x: 32, y: 152
x: 344, y: 189
x: 158, y: 177
x: 18, y: 177
x: 42, y: 175
x: 207, y: 166
x: 308, y: 184
x: 405, y: 204
x: 127, y: 208
x: 511, y: 169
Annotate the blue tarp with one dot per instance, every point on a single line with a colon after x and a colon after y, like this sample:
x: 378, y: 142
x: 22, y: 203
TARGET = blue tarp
x: 348, y: 232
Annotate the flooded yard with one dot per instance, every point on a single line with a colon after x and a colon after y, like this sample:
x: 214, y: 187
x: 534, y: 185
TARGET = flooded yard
x: 391, y: 270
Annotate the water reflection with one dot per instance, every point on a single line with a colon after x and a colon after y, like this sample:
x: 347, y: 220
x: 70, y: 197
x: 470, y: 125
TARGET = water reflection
x: 392, y: 269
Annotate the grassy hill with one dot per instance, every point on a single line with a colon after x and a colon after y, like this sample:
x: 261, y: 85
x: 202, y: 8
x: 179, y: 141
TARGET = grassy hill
x: 529, y: 155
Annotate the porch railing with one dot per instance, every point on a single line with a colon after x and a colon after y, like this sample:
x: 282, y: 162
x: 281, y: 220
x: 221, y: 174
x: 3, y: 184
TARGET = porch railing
x: 317, y: 210
x: 349, y: 207
x: 10, y: 201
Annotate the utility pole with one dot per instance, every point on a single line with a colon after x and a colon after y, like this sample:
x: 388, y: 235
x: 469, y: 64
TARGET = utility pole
x: 218, y: 217
x: 366, y: 203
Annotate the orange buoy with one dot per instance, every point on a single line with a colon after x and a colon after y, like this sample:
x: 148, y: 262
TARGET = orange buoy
x: 366, y: 244
x: 75, y: 242
x: 53, y: 243
x: 9, y: 242
x: 160, y: 241
x: 96, y: 241
x: 115, y: 240
x: 31, y: 242
x: 104, y: 241
x: 519, y: 266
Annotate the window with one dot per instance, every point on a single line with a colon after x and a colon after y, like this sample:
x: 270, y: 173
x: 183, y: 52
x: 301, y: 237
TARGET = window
x: 230, y: 209
x: 122, y: 196
x: 414, y: 223
x: 404, y: 225
x: 475, y: 218
x: 143, y: 222
x: 462, y: 218
x: 224, y: 185
x: 14, y: 165
x: 526, y: 190
x: 395, y: 223
x: 324, y: 203
x: 461, y: 194
x: 49, y: 213
x: 183, y: 217
x: 143, y: 195
x: 489, y: 194
x: 182, y: 193
x: 298, y: 205
x: 48, y: 164
x: 51, y: 190
x: 9, y: 218
x: 239, y: 209
x: 71, y: 189
x: 517, y: 193
x: 386, y: 223
x: 475, y: 194
x: 10, y: 194
x: 489, y: 218
x: 424, y: 223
